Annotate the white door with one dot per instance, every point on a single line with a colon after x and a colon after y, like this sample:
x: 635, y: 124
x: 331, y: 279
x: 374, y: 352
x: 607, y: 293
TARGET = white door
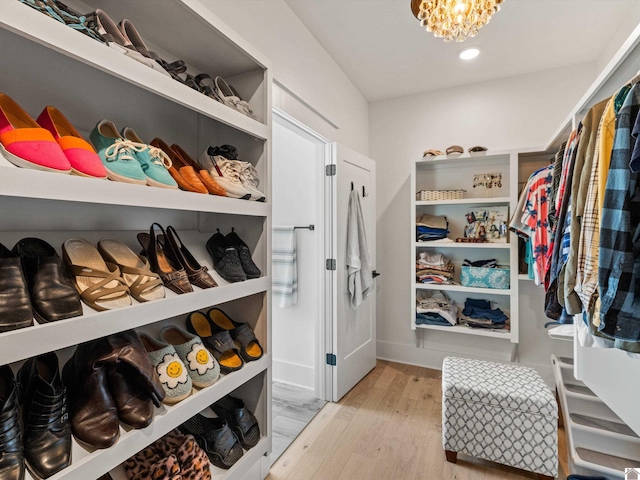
x: 354, y: 330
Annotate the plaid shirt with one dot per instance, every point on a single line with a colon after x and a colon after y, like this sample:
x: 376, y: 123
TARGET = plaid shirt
x: 589, y: 245
x: 619, y: 272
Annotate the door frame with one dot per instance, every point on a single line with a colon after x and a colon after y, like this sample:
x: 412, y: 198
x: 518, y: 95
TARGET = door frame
x: 323, y: 382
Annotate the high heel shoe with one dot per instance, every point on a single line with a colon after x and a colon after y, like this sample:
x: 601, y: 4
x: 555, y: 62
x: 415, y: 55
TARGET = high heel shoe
x: 171, y: 272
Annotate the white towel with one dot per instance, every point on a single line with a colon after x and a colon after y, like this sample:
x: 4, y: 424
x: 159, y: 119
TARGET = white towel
x: 359, y: 277
x: 285, y: 266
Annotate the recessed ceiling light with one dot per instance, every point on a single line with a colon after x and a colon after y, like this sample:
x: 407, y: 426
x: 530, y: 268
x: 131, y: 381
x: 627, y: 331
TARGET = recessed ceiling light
x: 469, y: 53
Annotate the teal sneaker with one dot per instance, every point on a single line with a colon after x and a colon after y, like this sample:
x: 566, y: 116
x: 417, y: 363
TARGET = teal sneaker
x: 117, y: 154
x: 154, y: 162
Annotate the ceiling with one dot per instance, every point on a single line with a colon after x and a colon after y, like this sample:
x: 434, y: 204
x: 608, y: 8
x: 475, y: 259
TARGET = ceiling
x: 381, y: 47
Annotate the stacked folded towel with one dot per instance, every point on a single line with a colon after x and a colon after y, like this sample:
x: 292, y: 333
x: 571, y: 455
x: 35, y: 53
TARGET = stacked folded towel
x: 433, y: 307
x: 434, y: 268
x: 491, y: 263
x: 430, y: 228
x: 479, y: 314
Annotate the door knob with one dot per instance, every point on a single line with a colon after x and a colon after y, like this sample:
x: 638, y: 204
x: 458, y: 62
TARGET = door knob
x: 375, y: 274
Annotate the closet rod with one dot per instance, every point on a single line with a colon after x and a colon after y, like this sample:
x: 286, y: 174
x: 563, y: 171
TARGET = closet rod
x: 309, y: 227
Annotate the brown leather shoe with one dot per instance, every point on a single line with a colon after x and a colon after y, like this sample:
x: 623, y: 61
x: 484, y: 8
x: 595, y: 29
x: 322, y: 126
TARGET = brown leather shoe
x: 184, y: 175
x: 163, y: 262
x: 213, y: 186
x: 95, y: 404
x: 198, y: 274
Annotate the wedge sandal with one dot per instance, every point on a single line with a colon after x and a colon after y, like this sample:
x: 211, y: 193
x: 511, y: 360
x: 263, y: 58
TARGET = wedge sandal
x: 241, y: 333
x: 218, y: 341
x: 240, y: 419
x: 99, y: 283
x: 144, y: 285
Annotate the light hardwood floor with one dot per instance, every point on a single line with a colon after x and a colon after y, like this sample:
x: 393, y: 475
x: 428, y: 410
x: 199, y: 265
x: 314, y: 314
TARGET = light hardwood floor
x: 292, y: 410
x: 387, y: 428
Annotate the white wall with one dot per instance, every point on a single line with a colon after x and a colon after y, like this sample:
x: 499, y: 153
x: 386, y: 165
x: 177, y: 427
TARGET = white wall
x: 511, y: 113
x: 300, y: 65
x: 298, y: 163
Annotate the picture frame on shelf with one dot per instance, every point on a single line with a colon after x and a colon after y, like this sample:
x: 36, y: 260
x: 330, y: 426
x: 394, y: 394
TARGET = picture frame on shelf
x: 487, y: 224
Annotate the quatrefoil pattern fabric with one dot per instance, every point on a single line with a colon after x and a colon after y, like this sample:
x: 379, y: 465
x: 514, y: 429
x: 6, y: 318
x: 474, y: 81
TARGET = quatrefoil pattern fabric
x: 502, y: 413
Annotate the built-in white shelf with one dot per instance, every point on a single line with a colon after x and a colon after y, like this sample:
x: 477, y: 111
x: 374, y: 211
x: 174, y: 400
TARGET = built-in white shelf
x: 460, y: 288
x: 90, y: 465
x: 92, y: 325
x: 29, y: 183
x: 29, y: 23
x: 524, y: 277
x: 463, y: 329
x: 562, y: 332
x: 466, y: 201
x: 471, y: 246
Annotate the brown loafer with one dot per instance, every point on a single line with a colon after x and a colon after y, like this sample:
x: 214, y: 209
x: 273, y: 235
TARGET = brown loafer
x: 184, y: 175
x: 213, y: 186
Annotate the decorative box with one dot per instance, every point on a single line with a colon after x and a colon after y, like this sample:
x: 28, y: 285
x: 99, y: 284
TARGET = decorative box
x: 498, y: 278
x: 425, y: 195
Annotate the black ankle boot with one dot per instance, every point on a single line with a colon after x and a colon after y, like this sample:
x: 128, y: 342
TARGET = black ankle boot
x: 11, y: 458
x: 47, y: 431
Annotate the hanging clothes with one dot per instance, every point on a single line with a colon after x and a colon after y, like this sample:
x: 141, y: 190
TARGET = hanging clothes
x: 359, y: 278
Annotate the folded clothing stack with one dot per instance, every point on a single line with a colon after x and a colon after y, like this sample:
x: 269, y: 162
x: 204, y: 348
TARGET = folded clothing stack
x: 433, y: 307
x: 491, y: 263
x: 479, y: 314
x: 430, y: 227
x: 434, y: 268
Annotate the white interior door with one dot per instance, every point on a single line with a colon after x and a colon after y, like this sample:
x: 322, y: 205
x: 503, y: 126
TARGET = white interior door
x: 354, y: 330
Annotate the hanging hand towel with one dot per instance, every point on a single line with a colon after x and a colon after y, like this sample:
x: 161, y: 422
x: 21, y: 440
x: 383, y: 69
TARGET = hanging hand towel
x: 285, y: 267
x: 359, y: 277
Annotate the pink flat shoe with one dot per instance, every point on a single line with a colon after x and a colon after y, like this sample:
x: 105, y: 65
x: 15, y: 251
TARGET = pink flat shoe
x: 81, y: 155
x: 25, y: 143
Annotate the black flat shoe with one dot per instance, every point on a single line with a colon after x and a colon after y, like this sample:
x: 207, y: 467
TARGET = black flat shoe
x: 53, y: 295
x: 47, y: 430
x: 15, y: 306
x: 226, y: 259
x: 216, y: 438
x: 249, y: 267
x: 242, y: 334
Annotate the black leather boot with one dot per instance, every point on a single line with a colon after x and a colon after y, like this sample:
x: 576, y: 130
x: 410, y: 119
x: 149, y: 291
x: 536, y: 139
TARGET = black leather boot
x: 47, y: 431
x: 11, y: 458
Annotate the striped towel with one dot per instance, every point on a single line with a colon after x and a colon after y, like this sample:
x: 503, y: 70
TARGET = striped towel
x: 285, y: 267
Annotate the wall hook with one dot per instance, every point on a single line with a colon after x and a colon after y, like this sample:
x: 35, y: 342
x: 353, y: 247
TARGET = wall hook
x: 364, y: 194
x: 352, y: 186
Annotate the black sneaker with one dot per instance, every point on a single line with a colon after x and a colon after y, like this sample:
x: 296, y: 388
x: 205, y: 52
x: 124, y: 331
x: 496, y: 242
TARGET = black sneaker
x: 249, y: 267
x: 226, y: 260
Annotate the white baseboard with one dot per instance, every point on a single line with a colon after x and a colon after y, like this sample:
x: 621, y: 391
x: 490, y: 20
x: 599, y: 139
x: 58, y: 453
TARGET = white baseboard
x: 409, y: 354
x: 294, y: 374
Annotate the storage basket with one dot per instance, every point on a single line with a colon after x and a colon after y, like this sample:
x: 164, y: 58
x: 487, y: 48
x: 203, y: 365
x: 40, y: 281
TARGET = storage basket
x: 423, y: 195
x: 497, y: 278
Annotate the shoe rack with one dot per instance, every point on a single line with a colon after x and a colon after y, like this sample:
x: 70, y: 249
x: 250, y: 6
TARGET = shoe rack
x: 47, y: 63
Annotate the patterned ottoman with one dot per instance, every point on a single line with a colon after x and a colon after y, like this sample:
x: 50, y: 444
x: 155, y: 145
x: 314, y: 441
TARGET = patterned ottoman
x: 502, y: 413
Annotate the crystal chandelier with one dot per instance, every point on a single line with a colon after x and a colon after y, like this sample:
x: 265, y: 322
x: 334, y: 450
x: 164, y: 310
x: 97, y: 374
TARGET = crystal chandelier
x: 454, y: 19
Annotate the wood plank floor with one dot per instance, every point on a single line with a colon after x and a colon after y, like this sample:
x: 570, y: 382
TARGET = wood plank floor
x: 292, y: 410
x: 387, y: 427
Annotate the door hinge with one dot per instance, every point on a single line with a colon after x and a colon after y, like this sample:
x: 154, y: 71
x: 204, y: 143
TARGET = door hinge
x: 330, y: 170
x: 331, y: 263
x: 331, y: 359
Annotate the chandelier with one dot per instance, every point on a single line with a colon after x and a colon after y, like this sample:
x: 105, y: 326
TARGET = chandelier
x: 454, y: 19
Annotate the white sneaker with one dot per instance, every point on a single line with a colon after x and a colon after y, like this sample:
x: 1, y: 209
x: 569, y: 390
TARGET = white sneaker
x: 226, y: 173
x: 250, y: 180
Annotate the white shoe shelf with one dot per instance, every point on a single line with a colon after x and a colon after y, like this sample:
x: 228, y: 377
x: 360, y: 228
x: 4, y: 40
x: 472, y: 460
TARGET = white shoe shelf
x: 456, y: 173
x: 599, y: 443
x: 48, y: 63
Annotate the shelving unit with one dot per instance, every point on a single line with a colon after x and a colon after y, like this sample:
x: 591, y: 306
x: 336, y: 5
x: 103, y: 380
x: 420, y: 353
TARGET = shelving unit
x: 443, y: 173
x: 88, y: 81
x: 598, y: 441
